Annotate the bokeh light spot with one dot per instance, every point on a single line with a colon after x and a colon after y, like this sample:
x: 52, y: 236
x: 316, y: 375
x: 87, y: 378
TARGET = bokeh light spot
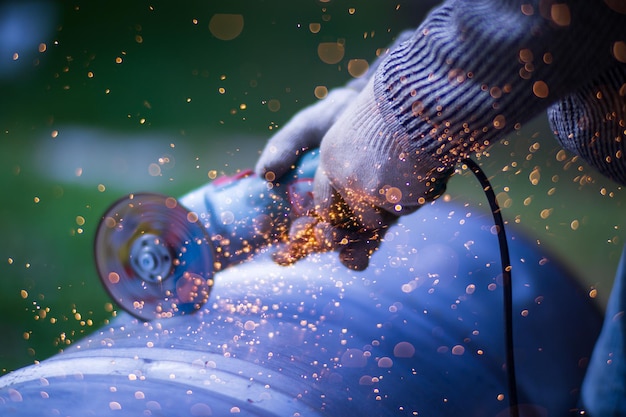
x: 357, y: 67
x: 404, y: 350
x: 618, y: 6
x: 499, y: 122
x: 273, y: 105
x: 226, y: 27
x: 619, y: 51
x: 458, y: 350
x: 560, y: 14
x: 540, y: 89
x: 330, y: 52
x: 320, y: 91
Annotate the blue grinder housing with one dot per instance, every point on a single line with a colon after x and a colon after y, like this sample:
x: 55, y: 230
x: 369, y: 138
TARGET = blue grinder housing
x: 156, y: 255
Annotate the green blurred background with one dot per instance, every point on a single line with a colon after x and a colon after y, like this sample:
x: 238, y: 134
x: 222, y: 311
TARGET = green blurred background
x: 102, y: 98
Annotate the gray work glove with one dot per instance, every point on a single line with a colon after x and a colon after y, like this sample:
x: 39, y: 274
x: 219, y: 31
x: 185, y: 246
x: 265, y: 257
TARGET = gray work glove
x: 304, y: 131
x: 364, y: 181
x: 307, y: 128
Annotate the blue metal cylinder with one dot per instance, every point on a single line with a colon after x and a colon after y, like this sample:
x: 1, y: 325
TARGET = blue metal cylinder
x: 419, y: 333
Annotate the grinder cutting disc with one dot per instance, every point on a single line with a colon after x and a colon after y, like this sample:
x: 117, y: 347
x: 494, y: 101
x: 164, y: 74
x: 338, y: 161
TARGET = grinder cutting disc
x: 154, y: 257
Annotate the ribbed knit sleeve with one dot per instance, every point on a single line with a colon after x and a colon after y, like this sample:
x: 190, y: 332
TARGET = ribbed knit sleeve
x: 476, y: 70
x: 591, y: 122
x: 359, y: 83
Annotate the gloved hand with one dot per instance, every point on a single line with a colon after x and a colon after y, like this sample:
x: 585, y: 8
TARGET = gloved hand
x: 304, y: 131
x: 364, y: 182
x: 307, y: 128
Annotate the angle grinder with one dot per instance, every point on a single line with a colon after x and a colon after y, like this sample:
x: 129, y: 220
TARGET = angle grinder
x: 157, y: 255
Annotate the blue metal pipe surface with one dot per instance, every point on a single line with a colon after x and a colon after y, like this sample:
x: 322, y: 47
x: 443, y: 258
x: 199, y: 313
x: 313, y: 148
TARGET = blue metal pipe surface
x: 419, y: 333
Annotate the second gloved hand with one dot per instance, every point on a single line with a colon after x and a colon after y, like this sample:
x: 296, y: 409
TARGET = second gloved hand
x: 305, y: 130
x: 364, y: 182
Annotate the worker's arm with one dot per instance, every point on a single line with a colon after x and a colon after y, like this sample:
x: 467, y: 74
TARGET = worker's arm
x: 473, y: 72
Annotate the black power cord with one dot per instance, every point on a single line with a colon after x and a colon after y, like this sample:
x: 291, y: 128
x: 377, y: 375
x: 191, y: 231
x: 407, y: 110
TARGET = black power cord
x: 505, y: 261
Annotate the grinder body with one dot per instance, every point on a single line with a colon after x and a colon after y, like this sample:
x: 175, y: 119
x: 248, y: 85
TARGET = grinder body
x: 243, y: 213
x: 157, y: 256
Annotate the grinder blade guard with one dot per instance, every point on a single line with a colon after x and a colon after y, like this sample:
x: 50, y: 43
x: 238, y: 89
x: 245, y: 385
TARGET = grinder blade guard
x: 154, y: 257
x: 157, y: 255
